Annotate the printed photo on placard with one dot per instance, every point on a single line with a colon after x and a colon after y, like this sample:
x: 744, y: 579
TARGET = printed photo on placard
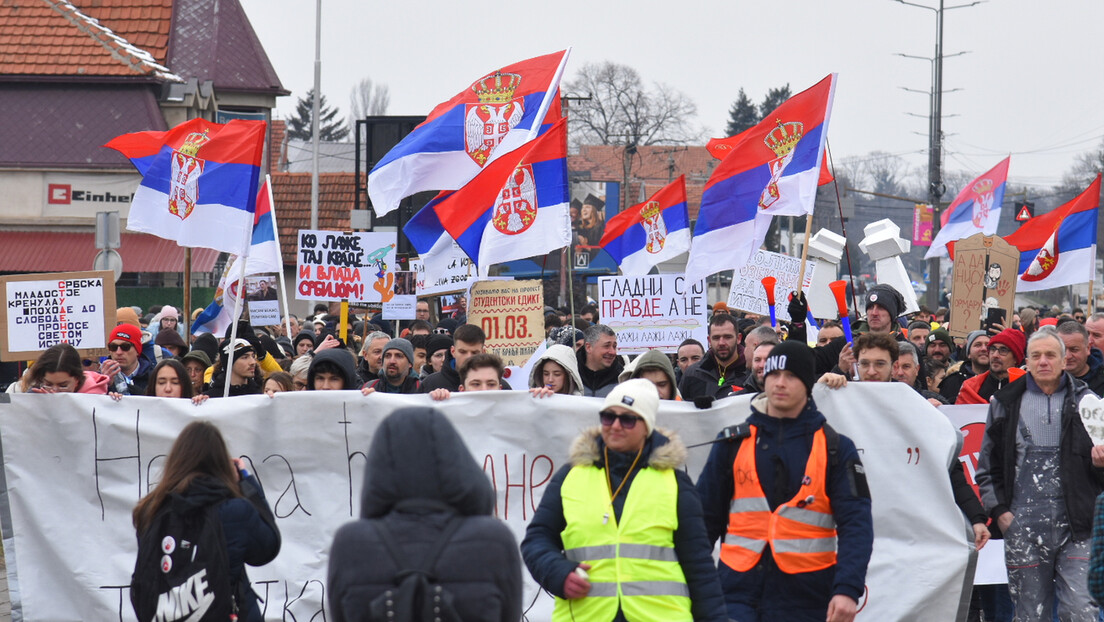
x: 262, y: 299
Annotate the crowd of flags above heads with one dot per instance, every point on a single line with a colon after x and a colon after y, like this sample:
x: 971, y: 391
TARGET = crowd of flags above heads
x: 497, y: 152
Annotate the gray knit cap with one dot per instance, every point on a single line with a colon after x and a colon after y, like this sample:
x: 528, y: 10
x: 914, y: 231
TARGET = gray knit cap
x: 401, y: 345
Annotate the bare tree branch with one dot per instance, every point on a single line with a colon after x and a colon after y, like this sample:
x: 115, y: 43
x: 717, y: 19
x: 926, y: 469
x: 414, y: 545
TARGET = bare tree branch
x: 623, y: 111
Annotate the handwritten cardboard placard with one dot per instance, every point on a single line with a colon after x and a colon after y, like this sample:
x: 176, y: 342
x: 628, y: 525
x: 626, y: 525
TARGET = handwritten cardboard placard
x: 655, y: 311
x: 983, y: 278
x: 511, y: 313
x: 747, y: 293
x: 43, y: 310
x: 332, y: 265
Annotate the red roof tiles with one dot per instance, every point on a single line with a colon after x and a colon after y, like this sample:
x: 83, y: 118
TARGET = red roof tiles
x: 54, y: 37
x: 145, y: 23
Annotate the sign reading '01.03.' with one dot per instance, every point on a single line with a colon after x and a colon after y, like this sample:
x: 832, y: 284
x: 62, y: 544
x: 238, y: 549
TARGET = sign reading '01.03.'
x: 511, y: 313
x: 43, y: 310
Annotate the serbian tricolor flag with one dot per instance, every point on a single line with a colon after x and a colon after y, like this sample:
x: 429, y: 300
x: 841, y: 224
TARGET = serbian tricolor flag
x: 493, y: 115
x: 427, y: 235
x: 199, y: 182
x: 1059, y: 248
x: 774, y: 170
x: 650, y: 233
x: 517, y: 207
x: 720, y: 147
x: 975, y: 210
x: 264, y: 258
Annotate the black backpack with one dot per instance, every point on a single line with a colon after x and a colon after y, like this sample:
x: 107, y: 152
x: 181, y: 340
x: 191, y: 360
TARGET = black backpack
x: 416, y: 597
x: 182, y: 571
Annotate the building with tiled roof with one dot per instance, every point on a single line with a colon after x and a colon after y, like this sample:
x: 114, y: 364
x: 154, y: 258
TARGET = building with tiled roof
x: 650, y: 169
x: 76, y: 73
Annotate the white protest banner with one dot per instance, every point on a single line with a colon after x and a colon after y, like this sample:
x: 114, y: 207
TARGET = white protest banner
x: 511, y: 314
x: 74, y: 548
x: 331, y: 265
x: 747, y: 292
x: 970, y: 421
x: 459, y: 274
x: 262, y: 298
x: 652, y: 312
x: 43, y: 310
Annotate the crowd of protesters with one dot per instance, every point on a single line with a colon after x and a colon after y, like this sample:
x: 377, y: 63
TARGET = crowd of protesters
x: 1039, y: 473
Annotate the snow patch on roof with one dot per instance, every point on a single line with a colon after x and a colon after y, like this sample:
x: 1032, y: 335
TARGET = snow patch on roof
x: 134, y: 57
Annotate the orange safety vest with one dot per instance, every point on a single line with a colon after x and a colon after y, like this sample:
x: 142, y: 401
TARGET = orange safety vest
x: 801, y: 532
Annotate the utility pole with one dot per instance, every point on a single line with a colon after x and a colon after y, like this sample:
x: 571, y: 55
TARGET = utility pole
x: 936, y: 188
x: 314, y: 111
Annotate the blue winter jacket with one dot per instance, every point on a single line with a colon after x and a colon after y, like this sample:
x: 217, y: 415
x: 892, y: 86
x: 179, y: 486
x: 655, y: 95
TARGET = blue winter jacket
x: 542, y: 548
x: 781, y: 454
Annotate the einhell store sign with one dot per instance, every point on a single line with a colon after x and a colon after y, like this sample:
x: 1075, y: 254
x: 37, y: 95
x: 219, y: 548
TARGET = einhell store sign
x: 87, y: 193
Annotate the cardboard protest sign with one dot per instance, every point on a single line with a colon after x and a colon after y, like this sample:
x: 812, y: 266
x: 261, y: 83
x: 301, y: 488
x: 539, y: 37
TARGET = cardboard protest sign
x: 43, y: 310
x: 263, y: 300
x: 511, y: 313
x: 331, y: 265
x: 459, y: 274
x: 983, y: 278
x: 655, y: 311
x: 747, y: 293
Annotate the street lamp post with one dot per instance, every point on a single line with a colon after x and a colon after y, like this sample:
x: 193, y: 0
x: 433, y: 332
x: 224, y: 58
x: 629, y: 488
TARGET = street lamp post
x: 936, y: 189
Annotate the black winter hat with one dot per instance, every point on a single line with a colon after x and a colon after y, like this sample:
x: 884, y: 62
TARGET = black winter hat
x: 794, y: 357
x: 887, y: 296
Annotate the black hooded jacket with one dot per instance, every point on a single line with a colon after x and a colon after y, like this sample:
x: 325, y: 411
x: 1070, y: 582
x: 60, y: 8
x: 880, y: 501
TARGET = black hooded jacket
x: 343, y: 359
x: 419, y: 475
x: 248, y: 526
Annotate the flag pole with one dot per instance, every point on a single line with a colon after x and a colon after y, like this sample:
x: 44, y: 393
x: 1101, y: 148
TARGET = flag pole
x: 188, y: 288
x: 804, y: 251
x: 237, y: 312
x: 280, y: 253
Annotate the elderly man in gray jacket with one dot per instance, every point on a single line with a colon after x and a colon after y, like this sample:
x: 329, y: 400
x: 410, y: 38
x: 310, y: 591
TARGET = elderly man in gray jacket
x: 1039, y: 476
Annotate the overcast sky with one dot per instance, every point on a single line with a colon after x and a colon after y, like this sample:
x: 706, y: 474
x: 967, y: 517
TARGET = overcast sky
x: 1031, y: 82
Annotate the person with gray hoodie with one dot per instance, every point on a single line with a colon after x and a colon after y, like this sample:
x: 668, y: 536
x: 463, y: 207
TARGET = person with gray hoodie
x: 421, y: 480
x: 656, y: 366
x: 556, y: 371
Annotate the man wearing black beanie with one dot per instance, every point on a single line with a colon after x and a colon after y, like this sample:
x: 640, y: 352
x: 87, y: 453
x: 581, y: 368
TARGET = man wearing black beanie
x: 807, y: 481
x: 884, y: 305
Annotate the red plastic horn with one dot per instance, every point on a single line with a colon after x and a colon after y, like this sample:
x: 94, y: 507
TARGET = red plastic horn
x: 839, y: 290
x: 768, y: 284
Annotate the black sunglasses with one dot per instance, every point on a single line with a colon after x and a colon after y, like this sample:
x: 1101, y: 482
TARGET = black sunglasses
x: 126, y: 346
x: 628, y: 422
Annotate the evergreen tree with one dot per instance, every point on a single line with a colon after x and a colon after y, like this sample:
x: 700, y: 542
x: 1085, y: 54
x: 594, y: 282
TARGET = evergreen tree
x: 775, y: 98
x: 742, y: 115
x: 331, y: 127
